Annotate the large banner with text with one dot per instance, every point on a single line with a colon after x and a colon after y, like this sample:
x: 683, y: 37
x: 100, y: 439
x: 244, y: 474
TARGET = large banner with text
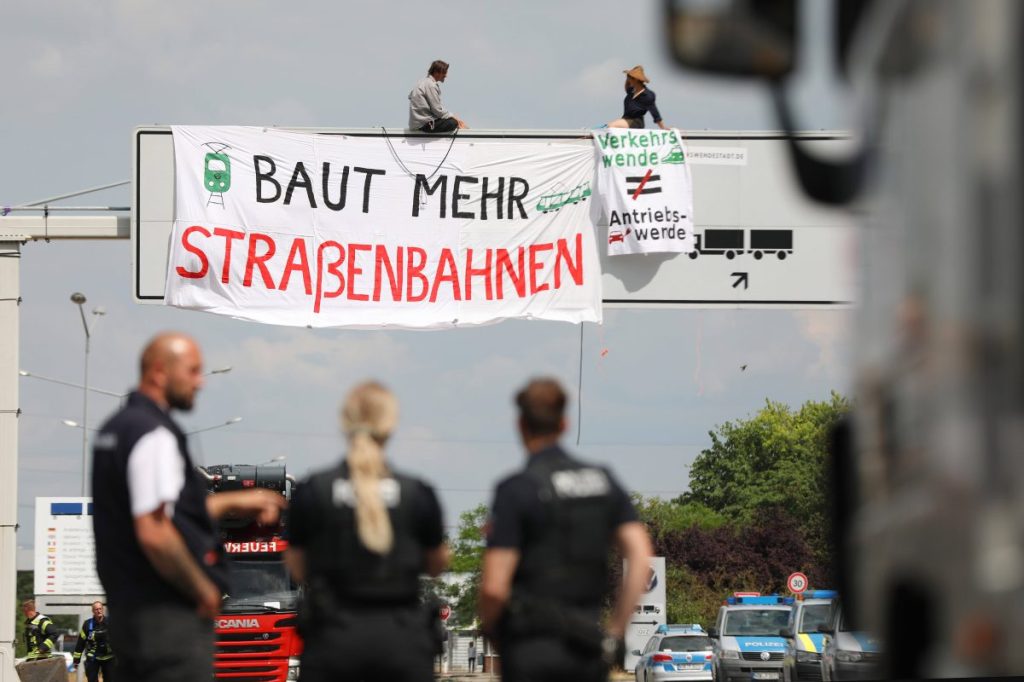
x: 416, y: 232
x: 646, y: 190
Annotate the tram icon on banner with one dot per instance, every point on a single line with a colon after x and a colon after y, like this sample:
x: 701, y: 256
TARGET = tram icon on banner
x: 556, y: 200
x: 216, y: 172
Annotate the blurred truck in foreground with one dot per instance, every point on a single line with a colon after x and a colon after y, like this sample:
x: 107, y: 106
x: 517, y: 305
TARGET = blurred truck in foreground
x: 929, y: 470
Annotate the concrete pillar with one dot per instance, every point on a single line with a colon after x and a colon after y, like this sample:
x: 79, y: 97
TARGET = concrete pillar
x: 10, y: 253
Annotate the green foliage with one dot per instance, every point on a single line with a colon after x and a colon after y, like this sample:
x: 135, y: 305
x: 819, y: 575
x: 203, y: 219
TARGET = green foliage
x: 663, y: 517
x: 467, y: 558
x: 689, y: 599
x: 25, y: 589
x: 756, y: 510
x: 774, y: 460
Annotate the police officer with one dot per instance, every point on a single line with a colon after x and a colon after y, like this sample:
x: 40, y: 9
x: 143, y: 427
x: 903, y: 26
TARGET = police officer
x: 545, y: 569
x: 157, y: 550
x: 39, y: 632
x: 360, y: 535
x: 94, y: 642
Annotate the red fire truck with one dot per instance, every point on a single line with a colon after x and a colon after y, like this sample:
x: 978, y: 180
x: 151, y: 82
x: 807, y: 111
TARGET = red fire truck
x: 256, y: 629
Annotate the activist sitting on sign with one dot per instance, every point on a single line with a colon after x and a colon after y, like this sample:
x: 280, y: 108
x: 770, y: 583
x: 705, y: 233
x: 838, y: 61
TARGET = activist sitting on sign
x: 639, y: 100
x: 426, y: 112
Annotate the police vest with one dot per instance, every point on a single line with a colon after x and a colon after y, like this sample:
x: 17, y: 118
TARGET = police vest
x: 568, y: 562
x: 128, y: 577
x: 341, y: 566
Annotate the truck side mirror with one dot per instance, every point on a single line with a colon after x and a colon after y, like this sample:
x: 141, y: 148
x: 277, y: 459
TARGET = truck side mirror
x: 734, y: 37
x: 787, y: 633
x: 712, y: 632
x: 634, y: 652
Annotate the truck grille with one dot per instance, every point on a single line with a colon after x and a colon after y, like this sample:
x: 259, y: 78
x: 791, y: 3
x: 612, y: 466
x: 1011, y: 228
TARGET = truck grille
x: 247, y: 636
x: 756, y: 656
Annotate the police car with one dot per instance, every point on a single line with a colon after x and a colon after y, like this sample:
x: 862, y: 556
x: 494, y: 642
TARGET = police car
x: 675, y: 652
x: 848, y: 654
x: 804, y: 642
x: 746, y: 639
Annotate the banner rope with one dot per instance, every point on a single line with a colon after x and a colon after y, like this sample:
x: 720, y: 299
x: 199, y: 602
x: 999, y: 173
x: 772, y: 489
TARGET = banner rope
x: 394, y: 153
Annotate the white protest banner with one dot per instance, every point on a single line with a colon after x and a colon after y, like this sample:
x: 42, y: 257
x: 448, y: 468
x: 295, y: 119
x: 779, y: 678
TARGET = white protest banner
x: 416, y: 232
x: 643, y: 180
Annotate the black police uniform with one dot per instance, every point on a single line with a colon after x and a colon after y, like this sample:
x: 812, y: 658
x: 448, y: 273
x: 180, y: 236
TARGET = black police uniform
x: 561, y: 514
x: 361, y: 618
x: 154, y: 628
x: 94, y: 643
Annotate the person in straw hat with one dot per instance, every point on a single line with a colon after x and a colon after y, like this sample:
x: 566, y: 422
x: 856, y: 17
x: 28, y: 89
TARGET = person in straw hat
x: 639, y: 101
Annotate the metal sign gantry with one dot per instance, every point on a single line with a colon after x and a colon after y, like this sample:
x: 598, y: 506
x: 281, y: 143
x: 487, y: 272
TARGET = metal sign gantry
x: 15, y: 230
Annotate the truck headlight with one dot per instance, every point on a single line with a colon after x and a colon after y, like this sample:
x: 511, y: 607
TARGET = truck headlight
x: 848, y: 656
x: 730, y: 653
x: 807, y: 657
x: 293, y: 668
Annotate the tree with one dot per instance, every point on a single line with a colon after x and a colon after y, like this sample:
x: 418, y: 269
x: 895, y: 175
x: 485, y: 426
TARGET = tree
x: 462, y: 590
x: 774, y: 461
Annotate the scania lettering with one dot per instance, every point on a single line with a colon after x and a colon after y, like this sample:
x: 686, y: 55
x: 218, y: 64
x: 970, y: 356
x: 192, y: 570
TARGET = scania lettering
x: 256, y: 631
x: 228, y: 623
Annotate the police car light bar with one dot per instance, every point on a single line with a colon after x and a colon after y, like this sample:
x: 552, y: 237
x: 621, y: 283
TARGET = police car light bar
x: 820, y: 594
x: 663, y: 629
x: 771, y: 600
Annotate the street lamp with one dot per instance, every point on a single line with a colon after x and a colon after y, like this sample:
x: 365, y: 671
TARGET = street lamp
x: 78, y: 299
x: 75, y: 425
x: 33, y: 375
x: 233, y: 420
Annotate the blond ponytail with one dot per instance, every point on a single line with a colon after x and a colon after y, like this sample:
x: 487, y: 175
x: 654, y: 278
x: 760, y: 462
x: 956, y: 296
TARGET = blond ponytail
x: 368, y: 417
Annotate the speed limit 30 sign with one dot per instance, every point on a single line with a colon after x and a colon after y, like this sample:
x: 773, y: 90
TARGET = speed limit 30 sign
x: 797, y: 583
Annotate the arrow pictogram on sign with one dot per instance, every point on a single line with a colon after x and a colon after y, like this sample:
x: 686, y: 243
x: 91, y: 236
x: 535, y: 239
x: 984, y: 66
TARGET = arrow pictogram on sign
x: 741, y: 278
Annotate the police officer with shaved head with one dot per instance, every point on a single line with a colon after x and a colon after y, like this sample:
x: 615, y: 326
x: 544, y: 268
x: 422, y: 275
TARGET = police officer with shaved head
x: 545, y: 569
x: 157, y: 549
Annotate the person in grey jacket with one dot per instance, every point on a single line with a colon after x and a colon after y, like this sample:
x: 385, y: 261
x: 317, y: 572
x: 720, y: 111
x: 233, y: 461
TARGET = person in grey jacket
x: 426, y: 112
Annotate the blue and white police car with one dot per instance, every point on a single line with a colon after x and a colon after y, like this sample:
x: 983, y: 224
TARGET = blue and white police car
x: 849, y: 654
x: 675, y: 652
x: 747, y: 643
x: 804, y: 640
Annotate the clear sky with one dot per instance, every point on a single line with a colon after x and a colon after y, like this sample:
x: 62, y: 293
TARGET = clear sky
x: 77, y: 77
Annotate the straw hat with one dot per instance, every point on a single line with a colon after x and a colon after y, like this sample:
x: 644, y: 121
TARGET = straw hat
x: 637, y: 72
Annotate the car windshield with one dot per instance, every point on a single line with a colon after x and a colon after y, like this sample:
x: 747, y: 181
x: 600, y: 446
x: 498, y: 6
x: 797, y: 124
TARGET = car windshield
x: 685, y: 644
x: 814, y: 615
x: 753, y: 622
x: 260, y: 585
